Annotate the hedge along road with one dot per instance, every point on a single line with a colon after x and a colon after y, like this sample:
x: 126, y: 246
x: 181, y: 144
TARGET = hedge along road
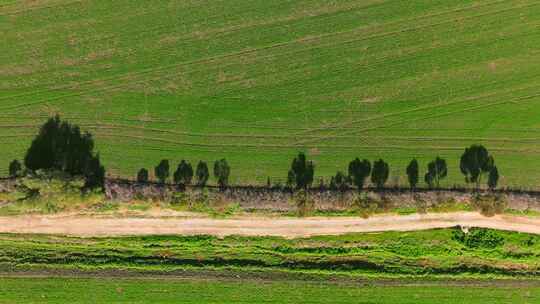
x: 258, y: 226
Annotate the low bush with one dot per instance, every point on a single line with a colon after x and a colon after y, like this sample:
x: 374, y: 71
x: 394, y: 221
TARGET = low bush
x: 478, y: 238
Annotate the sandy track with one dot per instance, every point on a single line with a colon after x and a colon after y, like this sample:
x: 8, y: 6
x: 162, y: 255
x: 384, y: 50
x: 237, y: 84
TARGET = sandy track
x: 258, y: 226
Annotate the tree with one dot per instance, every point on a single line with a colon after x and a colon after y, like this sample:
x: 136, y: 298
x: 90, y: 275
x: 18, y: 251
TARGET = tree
x: 95, y: 174
x: 162, y: 171
x: 380, y: 173
x: 142, y: 176
x: 302, y: 171
x: 412, y: 173
x: 339, y: 182
x: 476, y: 162
x: 183, y: 174
x: 15, y: 168
x: 359, y: 171
x: 60, y: 146
x: 437, y: 170
x: 222, y: 172
x: 493, y: 178
x: 291, y: 179
x: 202, y: 173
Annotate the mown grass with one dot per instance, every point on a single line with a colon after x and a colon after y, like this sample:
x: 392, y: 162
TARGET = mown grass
x: 139, y: 290
x: 445, y: 252
x: 257, y: 81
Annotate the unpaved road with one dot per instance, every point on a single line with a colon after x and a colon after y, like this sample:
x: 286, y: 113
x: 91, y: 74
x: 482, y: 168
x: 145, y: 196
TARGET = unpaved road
x: 258, y: 226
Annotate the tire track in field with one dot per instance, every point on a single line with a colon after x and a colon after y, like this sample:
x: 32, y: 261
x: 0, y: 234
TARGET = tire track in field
x: 393, y: 124
x: 429, y: 106
x: 37, y: 8
x: 232, y: 55
x: 227, y: 30
x: 258, y: 147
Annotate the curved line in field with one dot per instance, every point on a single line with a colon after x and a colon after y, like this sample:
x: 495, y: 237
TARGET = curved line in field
x: 225, y: 56
x: 35, y: 8
x: 433, y: 116
x: 429, y: 106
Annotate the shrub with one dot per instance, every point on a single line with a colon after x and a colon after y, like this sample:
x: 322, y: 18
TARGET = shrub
x: 162, y: 171
x: 339, y: 182
x: 15, y: 168
x: 478, y: 238
x: 202, y: 173
x: 142, y: 176
x: 183, y: 174
x: 359, y: 171
x: 222, y: 172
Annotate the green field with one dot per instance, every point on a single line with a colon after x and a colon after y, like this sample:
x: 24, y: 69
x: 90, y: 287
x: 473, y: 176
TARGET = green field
x: 391, y: 267
x: 170, y: 290
x: 257, y: 81
x: 433, y: 253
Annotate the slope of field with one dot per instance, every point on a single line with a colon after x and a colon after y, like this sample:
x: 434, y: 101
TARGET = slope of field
x: 171, y: 290
x: 257, y: 81
x: 440, y: 253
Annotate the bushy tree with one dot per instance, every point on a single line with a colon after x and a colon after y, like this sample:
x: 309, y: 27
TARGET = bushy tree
x: 15, y: 168
x: 476, y: 162
x: 60, y: 146
x: 380, y: 173
x: 412, y: 173
x: 142, y: 176
x: 202, y: 173
x: 183, y: 174
x: 493, y: 178
x: 359, y: 171
x: 162, y: 171
x: 222, y: 172
x: 95, y: 174
x: 437, y: 170
x: 302, y: 171
x: 339, y: 182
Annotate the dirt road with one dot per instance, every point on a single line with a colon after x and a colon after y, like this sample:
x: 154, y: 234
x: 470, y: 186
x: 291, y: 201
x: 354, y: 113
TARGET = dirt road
x: 258, y: 226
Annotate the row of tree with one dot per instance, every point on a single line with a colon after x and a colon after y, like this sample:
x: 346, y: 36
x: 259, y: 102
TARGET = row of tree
x: 184, y: 173
x: 61, y: 146
x: 475, y: 163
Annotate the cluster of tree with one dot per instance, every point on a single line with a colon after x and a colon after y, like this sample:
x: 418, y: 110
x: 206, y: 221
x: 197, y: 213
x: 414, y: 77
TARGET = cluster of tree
x: 184, y: 173
x: 61, y: 146
x: 475, y: 163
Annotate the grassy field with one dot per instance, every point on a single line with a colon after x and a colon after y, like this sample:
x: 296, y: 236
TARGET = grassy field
x: 434, y: 253
x: 436, y: 266
x: 257, y: 81
x: 116, y: 290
